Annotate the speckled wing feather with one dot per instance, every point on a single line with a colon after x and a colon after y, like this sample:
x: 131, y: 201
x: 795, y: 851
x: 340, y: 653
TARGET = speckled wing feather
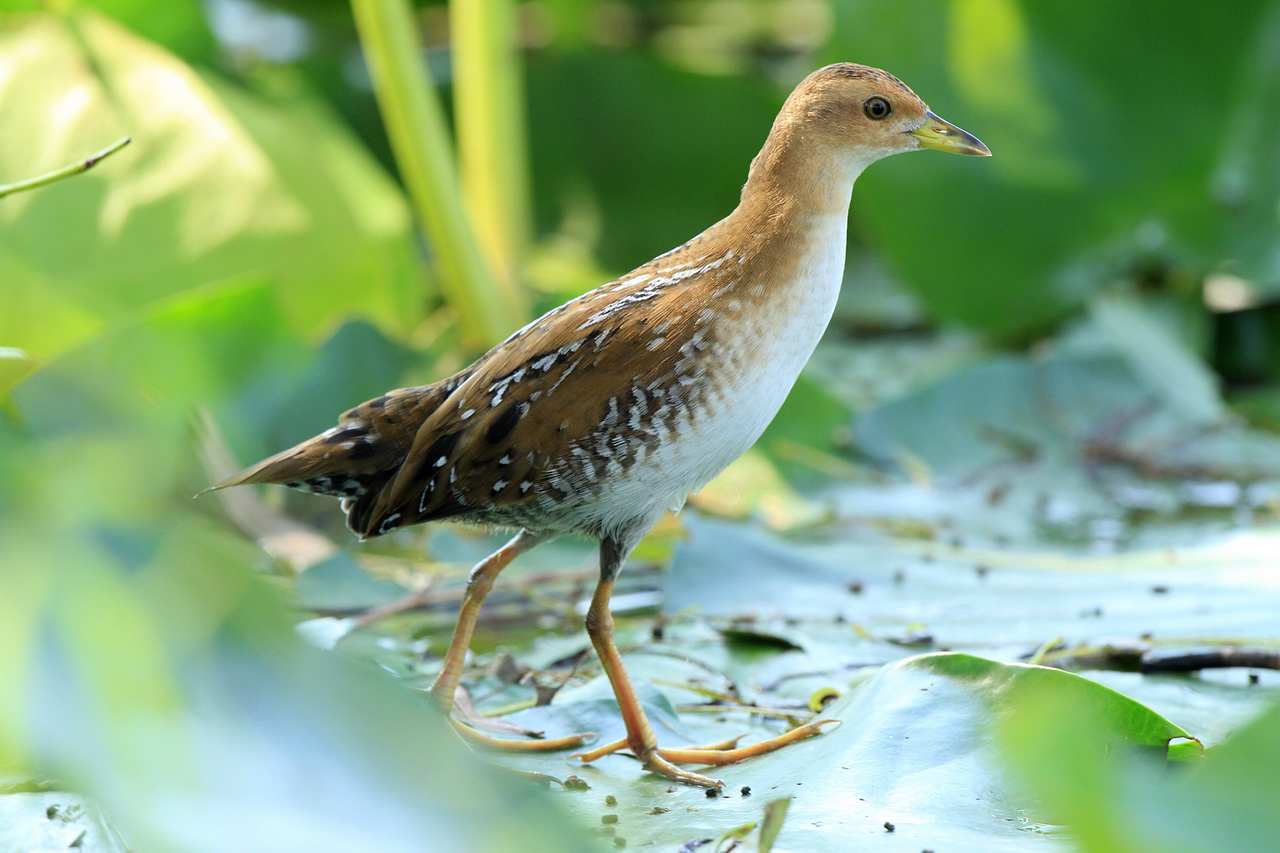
x: 580, y: 394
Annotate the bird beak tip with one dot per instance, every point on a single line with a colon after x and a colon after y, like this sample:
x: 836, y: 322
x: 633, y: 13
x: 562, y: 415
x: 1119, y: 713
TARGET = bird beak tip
x: 938, y: 134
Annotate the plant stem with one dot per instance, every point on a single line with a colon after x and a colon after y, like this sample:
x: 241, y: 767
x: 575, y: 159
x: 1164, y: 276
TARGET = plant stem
x: 65, y: 172
x: 420, y: 142
x: 489, y: 109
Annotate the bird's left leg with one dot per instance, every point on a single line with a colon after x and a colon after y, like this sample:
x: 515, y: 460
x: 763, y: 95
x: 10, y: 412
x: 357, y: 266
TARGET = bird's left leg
x: 640, y: 737
x: 446, y: 684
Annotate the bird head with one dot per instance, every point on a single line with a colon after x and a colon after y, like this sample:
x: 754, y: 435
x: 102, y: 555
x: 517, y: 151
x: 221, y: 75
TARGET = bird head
x: 871, y: 113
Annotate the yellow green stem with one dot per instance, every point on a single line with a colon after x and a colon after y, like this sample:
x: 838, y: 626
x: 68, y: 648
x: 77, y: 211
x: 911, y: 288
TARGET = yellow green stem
x: 489, y: 110
x: 420, y: 142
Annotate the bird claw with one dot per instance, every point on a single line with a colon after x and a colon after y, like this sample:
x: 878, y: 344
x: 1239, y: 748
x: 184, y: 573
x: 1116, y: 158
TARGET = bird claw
x: 655, y: 763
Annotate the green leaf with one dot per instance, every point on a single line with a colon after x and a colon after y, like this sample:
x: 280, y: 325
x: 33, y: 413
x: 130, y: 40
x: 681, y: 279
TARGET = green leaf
x: 1223, y: 800
x: 168, y: 687
x: 1161, y: 361
x: 213, y: 187
x: 14, y: 365
x: 1098, y: 169
x: 914, y: 749
x: 182, y: 28
x: 775, y: 813
x: 1078, y: 443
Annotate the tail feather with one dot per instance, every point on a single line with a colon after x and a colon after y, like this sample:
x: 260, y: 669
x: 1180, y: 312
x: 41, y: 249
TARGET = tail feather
x: 357, y: 458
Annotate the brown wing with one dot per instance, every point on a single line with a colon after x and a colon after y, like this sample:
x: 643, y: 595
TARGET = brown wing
x: 567, y: 387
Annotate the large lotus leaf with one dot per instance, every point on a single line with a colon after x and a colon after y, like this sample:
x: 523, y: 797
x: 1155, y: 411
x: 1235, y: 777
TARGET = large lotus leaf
x: 1116, y: 422
x: 914, y: 750
x: 979, y: 597
x: 213, y: 186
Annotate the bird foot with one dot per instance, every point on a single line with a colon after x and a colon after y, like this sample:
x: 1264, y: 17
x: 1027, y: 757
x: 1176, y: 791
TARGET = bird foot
x: 664, y: 761
x: 474, y: 735
x: 655, y: 763
x: 470, y: 724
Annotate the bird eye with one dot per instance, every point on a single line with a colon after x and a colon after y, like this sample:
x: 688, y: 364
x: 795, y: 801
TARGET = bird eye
x: 877, y: 108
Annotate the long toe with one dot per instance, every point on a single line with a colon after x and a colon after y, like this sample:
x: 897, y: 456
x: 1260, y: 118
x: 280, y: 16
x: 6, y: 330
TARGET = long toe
x: 695, y: 755
x: 472, y: 735
x: 622, y: 743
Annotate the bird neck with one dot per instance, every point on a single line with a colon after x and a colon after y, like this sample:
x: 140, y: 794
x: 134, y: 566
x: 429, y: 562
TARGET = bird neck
x: 797, y: 175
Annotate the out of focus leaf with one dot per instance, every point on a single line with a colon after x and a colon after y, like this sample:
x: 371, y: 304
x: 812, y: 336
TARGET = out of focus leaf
x: 752, y: 486
x: 14, y: 365
x: 1223, y: 801
x: 1173, y: 373
x: 172, y: 691
x: 213, y: 186
x: 181, y: 26
x: 1076, y: 440
x: 775, y: 814
x: 1086, y: 183
x: 663, y: 191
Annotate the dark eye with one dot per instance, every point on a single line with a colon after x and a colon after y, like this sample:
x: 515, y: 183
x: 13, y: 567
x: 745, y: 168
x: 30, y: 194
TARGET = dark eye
x: 877, y: 108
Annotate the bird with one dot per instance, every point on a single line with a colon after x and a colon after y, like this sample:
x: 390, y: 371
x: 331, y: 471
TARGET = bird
x: 608, y: 411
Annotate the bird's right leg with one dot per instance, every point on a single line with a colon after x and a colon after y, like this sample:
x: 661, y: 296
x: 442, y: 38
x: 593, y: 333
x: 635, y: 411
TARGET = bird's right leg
x: 640, y: 736
x: 446, y: 684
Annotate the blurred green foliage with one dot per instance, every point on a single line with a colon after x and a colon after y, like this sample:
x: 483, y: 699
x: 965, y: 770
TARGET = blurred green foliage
x: 1051, y: 389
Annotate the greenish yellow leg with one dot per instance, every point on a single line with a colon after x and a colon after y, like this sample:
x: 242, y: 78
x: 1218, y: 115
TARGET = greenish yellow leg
x: 446, y: 684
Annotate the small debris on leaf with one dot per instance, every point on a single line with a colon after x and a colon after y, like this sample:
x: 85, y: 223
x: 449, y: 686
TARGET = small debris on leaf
x: 746, y: 790
x: 888, y: 827
x: 507, y: 670
x: 822, y: 697
x: 912, y: 640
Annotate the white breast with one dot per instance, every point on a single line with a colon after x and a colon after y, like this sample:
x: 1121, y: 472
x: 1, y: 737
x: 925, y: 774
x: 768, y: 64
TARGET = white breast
x: 777, y: 344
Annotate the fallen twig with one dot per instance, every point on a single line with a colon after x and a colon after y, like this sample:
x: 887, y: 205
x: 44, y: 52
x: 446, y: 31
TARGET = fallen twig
x: 1210, y: 659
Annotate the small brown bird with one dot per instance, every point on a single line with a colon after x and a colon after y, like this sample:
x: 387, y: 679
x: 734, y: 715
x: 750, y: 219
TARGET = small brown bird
x: 606, y: 412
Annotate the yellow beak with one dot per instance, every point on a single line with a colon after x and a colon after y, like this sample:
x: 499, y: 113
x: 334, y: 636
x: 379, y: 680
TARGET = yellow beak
x: 941, y: 135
